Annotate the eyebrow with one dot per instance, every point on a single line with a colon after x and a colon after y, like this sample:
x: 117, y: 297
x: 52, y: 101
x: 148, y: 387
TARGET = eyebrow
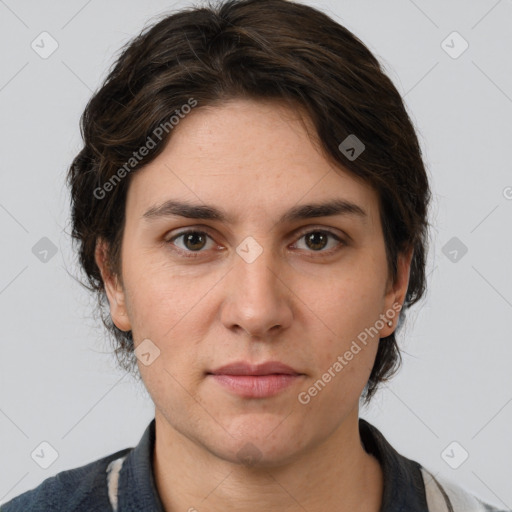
x: 330, y: 208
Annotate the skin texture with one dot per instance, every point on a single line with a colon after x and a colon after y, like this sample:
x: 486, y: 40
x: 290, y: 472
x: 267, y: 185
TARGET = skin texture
x: 294, y: 303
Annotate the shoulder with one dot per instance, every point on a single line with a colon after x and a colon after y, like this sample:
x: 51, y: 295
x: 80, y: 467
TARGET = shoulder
x: 444, y: 495
x: 79, y: 489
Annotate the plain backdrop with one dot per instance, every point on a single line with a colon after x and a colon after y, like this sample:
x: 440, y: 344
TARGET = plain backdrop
x: 58, y: 381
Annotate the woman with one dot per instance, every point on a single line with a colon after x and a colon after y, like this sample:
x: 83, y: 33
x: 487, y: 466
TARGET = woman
x: 252, y: 202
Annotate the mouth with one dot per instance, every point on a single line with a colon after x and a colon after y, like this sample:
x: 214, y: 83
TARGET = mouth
x: 255, y: 380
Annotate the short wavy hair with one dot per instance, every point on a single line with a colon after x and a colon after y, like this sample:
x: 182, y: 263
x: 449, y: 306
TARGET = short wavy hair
x: 260, y: 50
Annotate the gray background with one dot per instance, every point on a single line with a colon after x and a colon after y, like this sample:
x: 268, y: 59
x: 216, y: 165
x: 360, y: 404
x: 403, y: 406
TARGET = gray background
x: 58, y: 382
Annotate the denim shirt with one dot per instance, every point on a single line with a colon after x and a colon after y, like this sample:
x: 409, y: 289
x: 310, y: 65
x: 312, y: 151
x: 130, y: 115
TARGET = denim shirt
x: 124, y: 482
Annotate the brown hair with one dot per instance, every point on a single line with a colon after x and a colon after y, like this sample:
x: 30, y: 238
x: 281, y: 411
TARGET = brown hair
x: 255, y: 49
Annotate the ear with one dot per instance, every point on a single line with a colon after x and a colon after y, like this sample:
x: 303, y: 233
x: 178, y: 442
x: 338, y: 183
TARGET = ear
x: 395, y: 293
x: 114, y: 290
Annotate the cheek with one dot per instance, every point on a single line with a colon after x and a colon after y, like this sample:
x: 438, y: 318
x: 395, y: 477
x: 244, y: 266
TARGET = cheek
x: 343, y: 313
x: 175, y: 311
x: 342, y: 363
x: 160, y: 297
x: 346, y: 306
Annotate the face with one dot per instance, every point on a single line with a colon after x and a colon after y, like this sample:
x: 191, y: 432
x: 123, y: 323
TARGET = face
x: 270, y: 281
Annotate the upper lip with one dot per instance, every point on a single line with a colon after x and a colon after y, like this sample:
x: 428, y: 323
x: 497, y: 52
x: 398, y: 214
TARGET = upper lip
x: 244, y: 368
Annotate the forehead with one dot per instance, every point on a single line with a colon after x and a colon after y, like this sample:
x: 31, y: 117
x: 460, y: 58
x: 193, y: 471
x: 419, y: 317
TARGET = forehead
x: 249, y: 155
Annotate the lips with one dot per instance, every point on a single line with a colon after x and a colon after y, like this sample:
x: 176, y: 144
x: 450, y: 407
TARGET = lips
x: 267, y: 368
x: 255, y: 380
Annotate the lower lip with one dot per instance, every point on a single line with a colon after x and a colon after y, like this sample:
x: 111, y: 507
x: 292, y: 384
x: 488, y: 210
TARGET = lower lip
x: 256, y: 386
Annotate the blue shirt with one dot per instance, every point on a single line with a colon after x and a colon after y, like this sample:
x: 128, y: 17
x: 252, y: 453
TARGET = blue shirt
x: 124, y: 482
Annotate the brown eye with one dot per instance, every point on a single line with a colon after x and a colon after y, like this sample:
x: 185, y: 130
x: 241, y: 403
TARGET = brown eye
x: 318, y: 240
x: 194, y: 241
x: 191, y: 242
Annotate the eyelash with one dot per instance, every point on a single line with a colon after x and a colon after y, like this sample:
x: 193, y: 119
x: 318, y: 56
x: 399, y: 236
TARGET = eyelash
x: 196, y: 254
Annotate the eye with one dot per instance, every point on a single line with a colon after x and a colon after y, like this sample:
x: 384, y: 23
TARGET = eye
x: 193, y: 242
x: 318, y: 239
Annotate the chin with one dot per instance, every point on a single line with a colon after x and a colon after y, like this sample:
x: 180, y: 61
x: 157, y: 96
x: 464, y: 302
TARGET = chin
x: 257, y: 455
x: 260, y: 442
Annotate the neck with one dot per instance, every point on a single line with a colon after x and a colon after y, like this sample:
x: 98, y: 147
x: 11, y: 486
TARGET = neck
x: 338, y: 474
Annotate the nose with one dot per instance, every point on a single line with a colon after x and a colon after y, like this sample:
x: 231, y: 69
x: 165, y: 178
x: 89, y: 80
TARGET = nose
x: 257, y: 300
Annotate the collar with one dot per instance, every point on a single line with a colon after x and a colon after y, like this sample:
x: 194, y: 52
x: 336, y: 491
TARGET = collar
x: 403, y: 490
